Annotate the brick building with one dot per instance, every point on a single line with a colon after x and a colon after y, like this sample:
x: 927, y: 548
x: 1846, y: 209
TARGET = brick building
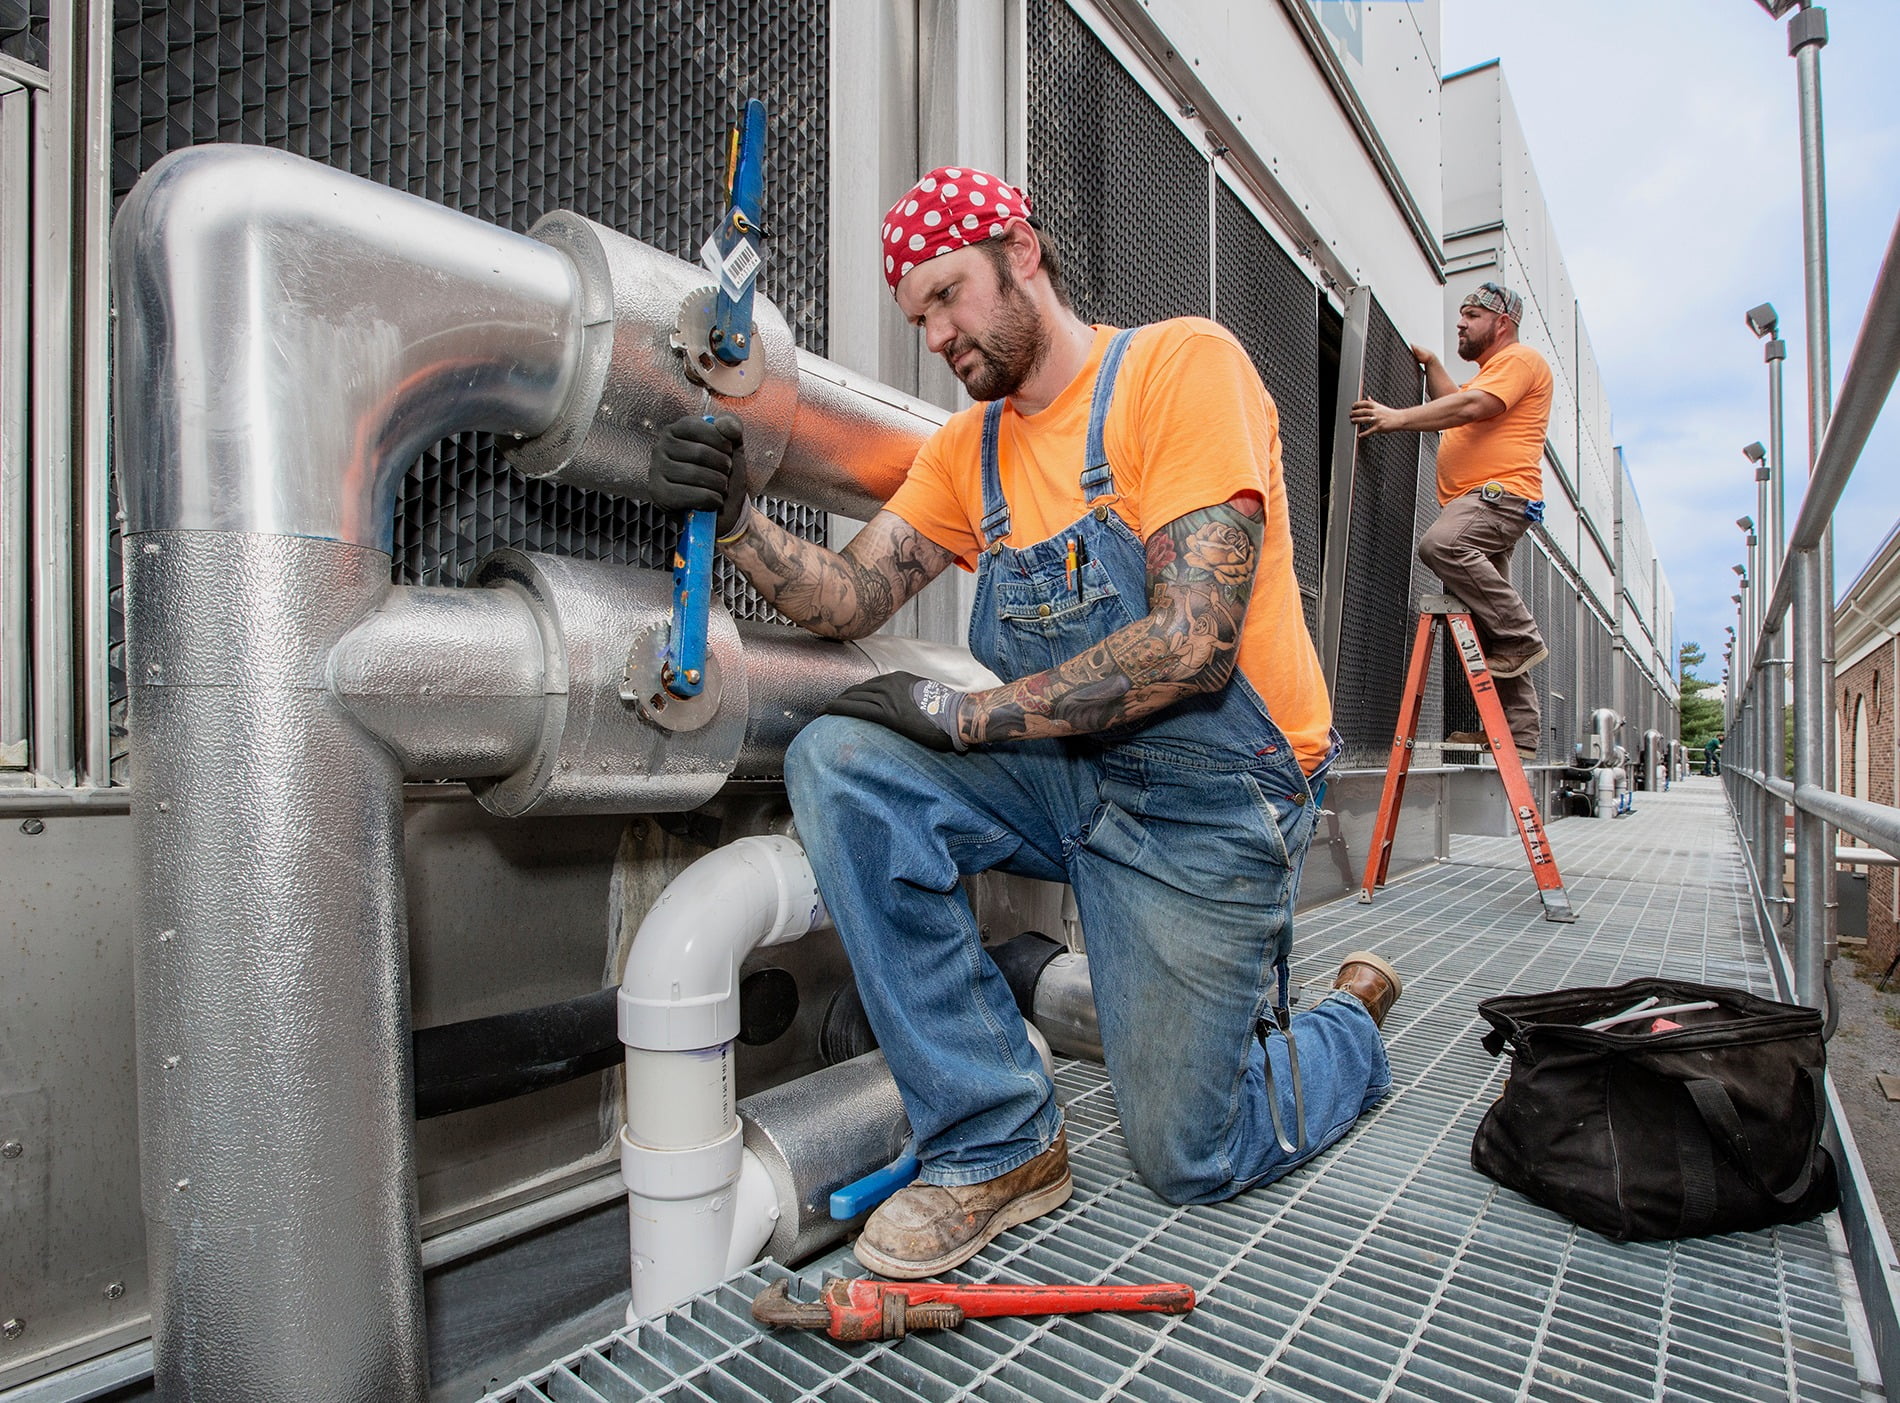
x: 1867, y: 645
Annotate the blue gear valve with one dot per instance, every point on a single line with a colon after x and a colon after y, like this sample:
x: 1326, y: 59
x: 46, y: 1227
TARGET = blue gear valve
x: 715, y: 335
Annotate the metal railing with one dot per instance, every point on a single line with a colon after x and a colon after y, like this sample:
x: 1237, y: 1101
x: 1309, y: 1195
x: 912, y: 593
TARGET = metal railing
x: 1798, y: 609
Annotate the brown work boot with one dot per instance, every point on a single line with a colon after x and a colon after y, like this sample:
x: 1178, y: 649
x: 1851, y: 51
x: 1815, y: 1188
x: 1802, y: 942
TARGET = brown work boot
x: 1372, y: 981
x: 1477, y: 738
x: 927, y: 1229
x: 1507, y: 665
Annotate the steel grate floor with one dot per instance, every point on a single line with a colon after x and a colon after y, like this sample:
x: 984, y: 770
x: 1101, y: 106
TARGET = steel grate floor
x: 1387, y: 1268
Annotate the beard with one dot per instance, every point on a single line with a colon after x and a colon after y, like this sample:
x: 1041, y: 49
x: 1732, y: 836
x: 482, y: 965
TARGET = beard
x: 1009, y: 352
x: 1470, y: 348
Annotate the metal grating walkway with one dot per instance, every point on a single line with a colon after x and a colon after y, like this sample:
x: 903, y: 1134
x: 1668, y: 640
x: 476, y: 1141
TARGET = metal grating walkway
x: 1387, y: 1268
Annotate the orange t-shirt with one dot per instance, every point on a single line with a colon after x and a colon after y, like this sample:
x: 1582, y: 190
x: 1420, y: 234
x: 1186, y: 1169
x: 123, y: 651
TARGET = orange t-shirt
x: 1190, y: 426
x: 1507, y: 449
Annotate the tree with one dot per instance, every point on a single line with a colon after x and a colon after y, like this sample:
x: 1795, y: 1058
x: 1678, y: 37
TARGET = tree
x: 1700, y: 715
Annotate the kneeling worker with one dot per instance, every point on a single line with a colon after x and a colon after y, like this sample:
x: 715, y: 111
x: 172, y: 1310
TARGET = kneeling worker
x: 1156, y: 744
x: 1490, y: 486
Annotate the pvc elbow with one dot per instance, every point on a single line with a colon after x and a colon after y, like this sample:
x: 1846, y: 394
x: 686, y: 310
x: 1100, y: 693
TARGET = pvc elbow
x: 681, y: 986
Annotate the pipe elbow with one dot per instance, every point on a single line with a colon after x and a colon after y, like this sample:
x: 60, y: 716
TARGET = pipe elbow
x: 274, y: 311
x: 681, y: 986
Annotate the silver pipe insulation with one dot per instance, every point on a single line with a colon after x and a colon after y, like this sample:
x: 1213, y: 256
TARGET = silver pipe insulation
x: 289, y: 339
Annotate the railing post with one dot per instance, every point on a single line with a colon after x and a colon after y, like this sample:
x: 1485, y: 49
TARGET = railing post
x: 1813, y: 630
x: 1812, y: 840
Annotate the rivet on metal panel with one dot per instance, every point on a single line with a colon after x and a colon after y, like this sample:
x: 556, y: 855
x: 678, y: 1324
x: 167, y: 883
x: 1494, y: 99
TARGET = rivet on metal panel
x: 12, y: 1328
x: 13, y: 1149
x: 165, y: 937
x: 114, y: 1290
x: 32, y: 827
x: 181, y: 1184
x: 152, y: 547
x: 171, y: 1062
x: 164, y: 806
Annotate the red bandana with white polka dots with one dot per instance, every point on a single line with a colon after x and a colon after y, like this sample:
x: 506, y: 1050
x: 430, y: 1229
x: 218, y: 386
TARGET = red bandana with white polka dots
x: 951, y: 208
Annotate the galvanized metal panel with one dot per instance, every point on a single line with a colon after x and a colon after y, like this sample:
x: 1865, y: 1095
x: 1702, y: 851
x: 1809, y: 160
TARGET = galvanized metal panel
x: 1471, y: 133
x: 1254, y: 61
x: 1387, y: 52
x: 72, y: 1239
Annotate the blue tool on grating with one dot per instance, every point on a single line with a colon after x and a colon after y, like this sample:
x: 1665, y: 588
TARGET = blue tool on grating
x: 732, y: 254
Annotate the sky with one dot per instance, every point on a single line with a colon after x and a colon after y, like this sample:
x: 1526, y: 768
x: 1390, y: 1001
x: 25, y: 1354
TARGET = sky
x: 1665, y: 136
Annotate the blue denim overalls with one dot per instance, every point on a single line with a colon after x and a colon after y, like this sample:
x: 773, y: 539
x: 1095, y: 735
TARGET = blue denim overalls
x: 1182, y: 836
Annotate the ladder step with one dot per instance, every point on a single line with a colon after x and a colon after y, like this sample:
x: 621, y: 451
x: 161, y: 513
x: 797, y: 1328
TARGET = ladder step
x: 1442, y: 604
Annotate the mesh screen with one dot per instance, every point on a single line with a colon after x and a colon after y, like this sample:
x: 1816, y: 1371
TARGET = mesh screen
x: 1122, y: 194
x: 506, y: 111
x: 1434, y: 721
x: 1265, y: 300
x: 1377, y: 613
x: 23, y: 30
x: 1564, y: 722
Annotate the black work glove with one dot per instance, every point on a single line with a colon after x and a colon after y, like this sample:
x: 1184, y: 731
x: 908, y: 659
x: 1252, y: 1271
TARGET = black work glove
x: 915, y: 707
x: 700, y: 467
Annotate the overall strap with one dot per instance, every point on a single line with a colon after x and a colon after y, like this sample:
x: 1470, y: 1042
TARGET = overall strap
x: 995, y: 510
x: 1098, y: 479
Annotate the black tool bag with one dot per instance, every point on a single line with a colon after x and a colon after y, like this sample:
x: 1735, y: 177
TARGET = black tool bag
x: 1715, y: 1127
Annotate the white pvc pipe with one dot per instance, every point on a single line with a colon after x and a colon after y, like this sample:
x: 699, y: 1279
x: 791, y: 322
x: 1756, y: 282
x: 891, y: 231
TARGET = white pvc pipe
x: 699, y: 1206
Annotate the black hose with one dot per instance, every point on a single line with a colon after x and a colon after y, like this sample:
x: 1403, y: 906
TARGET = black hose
x: 484, y: 1060
x: 1022, y: 961
x: 847, y: 1029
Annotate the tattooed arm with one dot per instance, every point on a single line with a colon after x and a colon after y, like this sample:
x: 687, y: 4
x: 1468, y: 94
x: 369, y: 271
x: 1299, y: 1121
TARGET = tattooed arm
x: 1200, y: 577
x: 835, y: 594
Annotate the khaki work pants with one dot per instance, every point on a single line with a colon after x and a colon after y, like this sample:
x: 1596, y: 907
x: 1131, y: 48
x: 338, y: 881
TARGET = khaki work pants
x: 1469, y: 548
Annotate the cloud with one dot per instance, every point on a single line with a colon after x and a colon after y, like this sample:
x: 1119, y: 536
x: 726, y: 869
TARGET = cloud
x: 1665, y: 137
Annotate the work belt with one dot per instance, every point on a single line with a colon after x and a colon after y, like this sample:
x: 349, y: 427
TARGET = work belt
x: 1494, y: 492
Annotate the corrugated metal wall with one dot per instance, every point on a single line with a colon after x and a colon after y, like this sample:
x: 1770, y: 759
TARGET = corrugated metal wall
x: 1125, y: 198
x: 1377, y: 619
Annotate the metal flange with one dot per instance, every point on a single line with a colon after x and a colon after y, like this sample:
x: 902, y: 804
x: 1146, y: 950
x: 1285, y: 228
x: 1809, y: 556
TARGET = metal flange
x: 692, y: 342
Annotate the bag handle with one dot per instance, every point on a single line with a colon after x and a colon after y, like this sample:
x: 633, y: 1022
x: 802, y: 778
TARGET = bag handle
x: 1712, y: 1103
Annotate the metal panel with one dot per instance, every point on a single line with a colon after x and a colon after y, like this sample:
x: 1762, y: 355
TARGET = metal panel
x: 1267, y: 301
x: 16, y: 709
x: 1469, y: 135
x: 70, y: 1225
x: 1122, y: 193
x: 1598, y: 574
x: 1377, y: 609
x: 1560, y: 516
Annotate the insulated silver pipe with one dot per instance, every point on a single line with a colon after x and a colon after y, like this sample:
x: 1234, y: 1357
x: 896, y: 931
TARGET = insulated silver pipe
x: 816, y: 433
x: 289, y: 338
x: 452, y: 680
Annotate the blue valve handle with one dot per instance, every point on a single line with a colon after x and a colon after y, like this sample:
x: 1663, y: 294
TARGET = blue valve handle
x: 732, y: 319
x: 683, y: 673
x: 868, y: 1192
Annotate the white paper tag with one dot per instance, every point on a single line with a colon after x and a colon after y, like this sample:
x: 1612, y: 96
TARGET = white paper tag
x: 740, y: 268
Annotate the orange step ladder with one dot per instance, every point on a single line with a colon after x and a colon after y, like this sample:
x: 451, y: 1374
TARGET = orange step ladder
x: 1530, y: 827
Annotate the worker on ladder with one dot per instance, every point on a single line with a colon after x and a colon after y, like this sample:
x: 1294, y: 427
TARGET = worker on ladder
x: 1490, y: 486
x: 1157, y: 743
